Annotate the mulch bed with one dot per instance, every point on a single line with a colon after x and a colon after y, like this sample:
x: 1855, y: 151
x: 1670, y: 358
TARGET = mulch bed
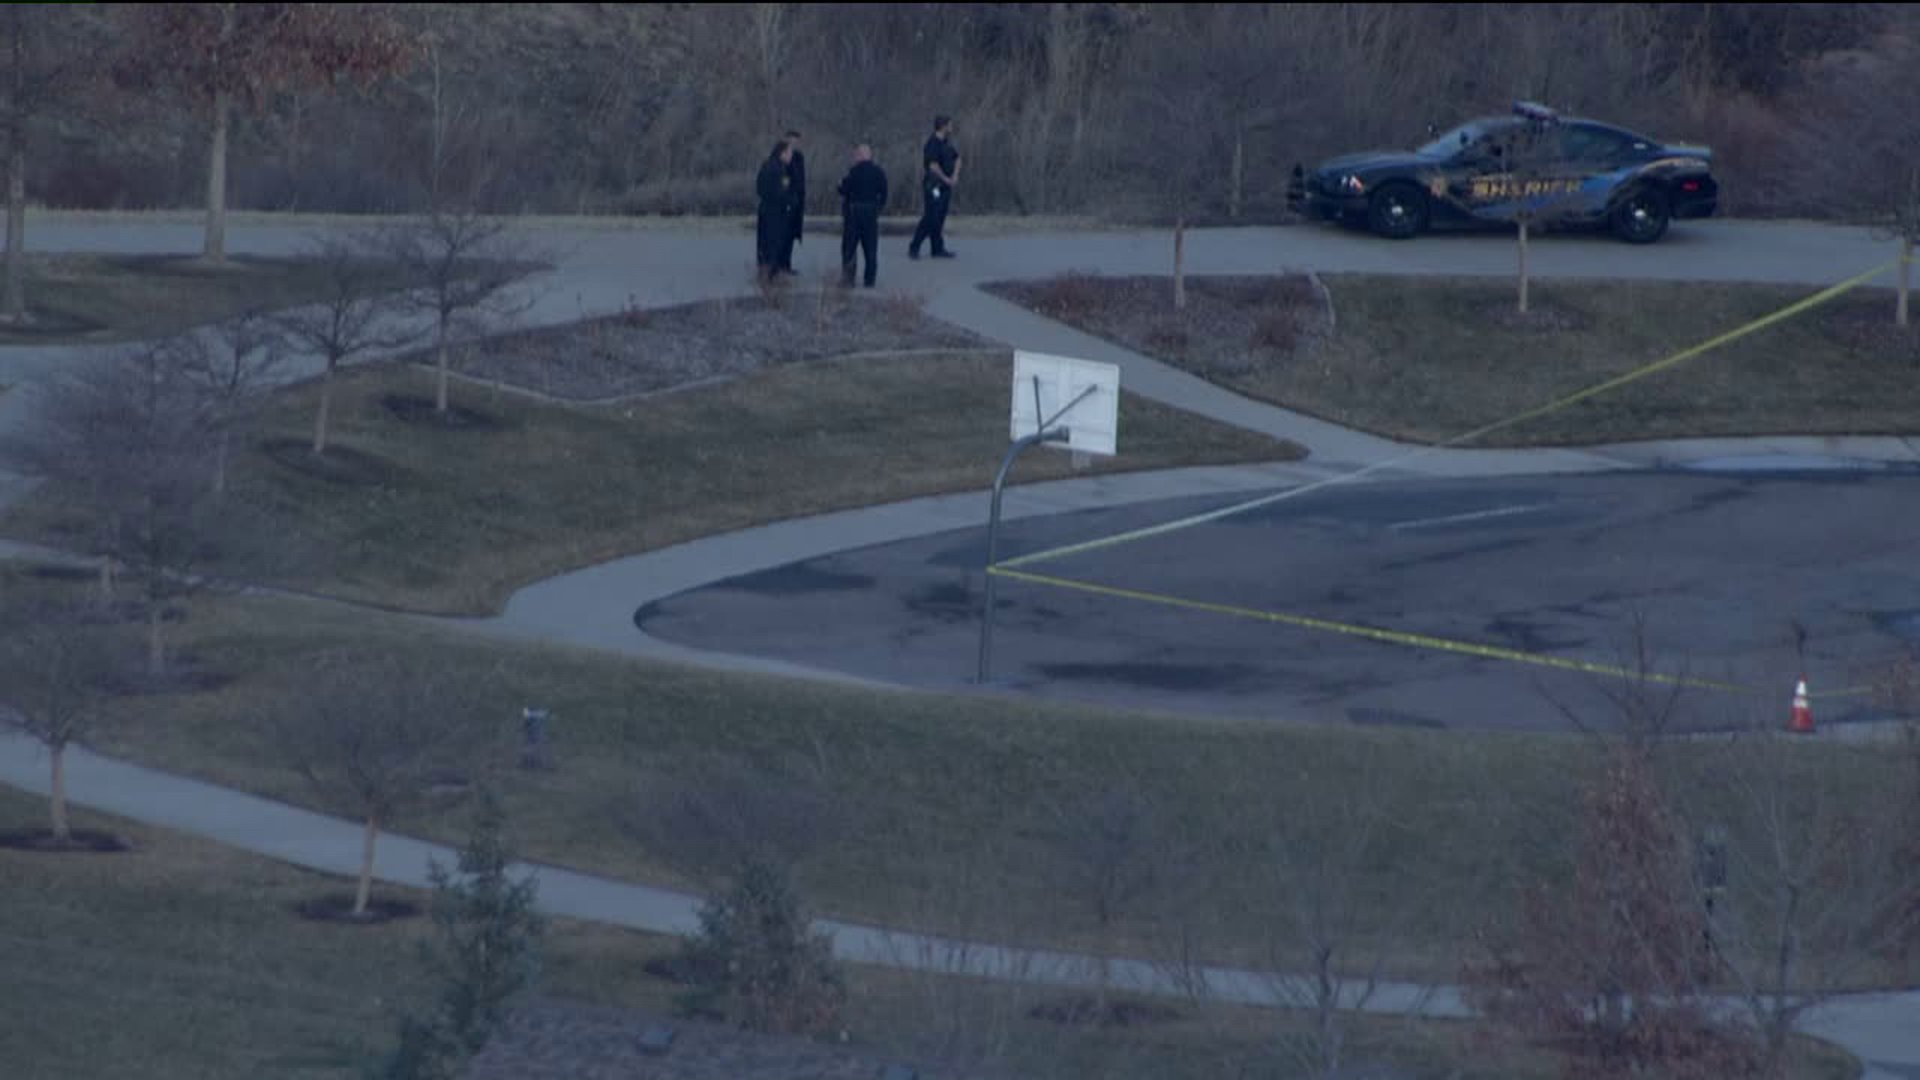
x: 338, y: 908
x: 1229, y: 325
x: 1116, y: 1012
x: 80, y: 842
x: 648, y: 351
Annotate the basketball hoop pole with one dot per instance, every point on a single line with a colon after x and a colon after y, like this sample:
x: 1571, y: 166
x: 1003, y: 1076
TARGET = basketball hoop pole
x: 1043, y: 433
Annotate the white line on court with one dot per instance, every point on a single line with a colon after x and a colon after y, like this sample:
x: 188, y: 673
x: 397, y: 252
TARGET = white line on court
x: 1477, y: 515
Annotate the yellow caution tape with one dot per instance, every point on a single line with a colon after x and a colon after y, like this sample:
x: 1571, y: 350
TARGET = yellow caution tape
x: 1009, y: 568
x: 1392, y: 637
x: 1615, y: 383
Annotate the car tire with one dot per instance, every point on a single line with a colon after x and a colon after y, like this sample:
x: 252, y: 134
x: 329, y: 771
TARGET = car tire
x: 1642, y: 216
x: 1397, y: 212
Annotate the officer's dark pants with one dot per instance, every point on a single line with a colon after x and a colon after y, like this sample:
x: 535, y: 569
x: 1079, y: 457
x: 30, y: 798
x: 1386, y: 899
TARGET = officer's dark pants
x: 933, y: 221
x: 771, y: 239
x: 792, y: 237
x: 859, y: 228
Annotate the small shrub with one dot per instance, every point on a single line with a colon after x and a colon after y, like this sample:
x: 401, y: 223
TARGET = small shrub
x: 903, y: 312
x: 756, y: 961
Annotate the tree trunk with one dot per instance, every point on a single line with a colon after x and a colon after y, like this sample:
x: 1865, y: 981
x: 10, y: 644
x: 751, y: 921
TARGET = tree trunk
x: 365, y: 887
x: 221, y: 451
x: 440, y: 361
x: 1180, y: 263
x: 14, y: 304
x: 1236, y: 186
x: 156, y: 637
x: 326, y: 406
x: 216, y: 245
x: 58, y: 793
x: 1902, y: 302
x: 1523, y: 266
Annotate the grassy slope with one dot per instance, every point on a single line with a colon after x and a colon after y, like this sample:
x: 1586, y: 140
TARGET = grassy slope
x: 1428, y: 359
x: 183, y: 959
x: 959, y: 814
x: 452, y: 521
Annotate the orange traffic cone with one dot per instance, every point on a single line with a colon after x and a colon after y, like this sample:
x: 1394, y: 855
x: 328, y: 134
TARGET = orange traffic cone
x: 1802, y: 713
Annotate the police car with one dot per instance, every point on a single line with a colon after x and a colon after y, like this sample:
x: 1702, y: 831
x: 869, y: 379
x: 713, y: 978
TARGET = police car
x: 1558, y: 171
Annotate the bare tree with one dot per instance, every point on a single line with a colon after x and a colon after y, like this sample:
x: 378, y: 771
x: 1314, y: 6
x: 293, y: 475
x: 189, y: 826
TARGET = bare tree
x: 1106, y: 842
x: 1331, y: 931
x: 1807, y: 862
x: 54, y: 669
x: 48, y: 60
x: 1611, y: 965
x: 1523, y: 175
x: 463, y: 265
x: 233, y: 365
x: 222, y: 55
x: 127, y: 434
x: 710, y: 819
x: 373, y: 730
x: 1861, y: 138
x: 355, y: 314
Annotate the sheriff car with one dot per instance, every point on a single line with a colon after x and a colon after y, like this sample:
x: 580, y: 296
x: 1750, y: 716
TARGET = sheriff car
x: 1552, y: 170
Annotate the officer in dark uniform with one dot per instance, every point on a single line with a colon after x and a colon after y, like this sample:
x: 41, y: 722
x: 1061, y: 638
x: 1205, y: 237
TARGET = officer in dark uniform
x: 797, y: 193
x: 863, y: 193
x: 775, y: 213
x: 939, y: 172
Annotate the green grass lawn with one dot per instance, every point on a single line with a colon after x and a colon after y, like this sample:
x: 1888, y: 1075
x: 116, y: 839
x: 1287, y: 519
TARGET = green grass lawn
x: 1427, y: 359
x: 77, y: 299
x: 185, y: 959
x: 410, y: 514
x: 981, y: 817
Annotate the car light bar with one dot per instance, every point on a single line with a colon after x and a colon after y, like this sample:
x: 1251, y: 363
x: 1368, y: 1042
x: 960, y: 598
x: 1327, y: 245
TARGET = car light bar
x: 1533, y: 110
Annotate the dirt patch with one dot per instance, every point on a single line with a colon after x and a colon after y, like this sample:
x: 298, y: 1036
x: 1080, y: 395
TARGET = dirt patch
x: 1118, y: 1012
x: 341, y: 464
x: 78, y: 842
x: 421, y: 411
x: 179, y: 678
x: 1866, y: 324
x: 338, y: 908
x: 1230, y: 326
x: 1537, y: 319
x: 66, y: 573
x: 648, y: 351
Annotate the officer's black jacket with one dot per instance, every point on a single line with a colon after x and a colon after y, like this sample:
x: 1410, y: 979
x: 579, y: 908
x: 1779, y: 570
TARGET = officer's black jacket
x: 797, y: 172
x: 864, y: 185
x: 770, y: 186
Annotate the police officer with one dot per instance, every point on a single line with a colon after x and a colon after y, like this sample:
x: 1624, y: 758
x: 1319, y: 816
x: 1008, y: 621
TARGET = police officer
x: 863, y: 193
x: 797, y: 194
x: 940, y: 171
x: 775, y: 213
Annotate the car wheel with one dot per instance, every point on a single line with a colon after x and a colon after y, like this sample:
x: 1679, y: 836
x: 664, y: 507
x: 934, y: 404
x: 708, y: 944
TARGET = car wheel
x: 1397, y: 212
x: 1641, y: 217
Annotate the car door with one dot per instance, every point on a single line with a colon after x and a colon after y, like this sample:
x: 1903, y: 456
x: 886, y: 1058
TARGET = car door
x: 1476, y: 178
x: 1597, y: 156
x: 1516, y: 167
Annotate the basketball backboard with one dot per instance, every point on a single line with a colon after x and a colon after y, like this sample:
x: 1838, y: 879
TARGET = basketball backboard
x: 1080, y: 396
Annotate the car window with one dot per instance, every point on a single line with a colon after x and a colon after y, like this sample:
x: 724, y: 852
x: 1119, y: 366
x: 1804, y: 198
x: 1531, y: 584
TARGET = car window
x: 1584, y: 142
x: 1450, y: 141
x: 1474, y: 133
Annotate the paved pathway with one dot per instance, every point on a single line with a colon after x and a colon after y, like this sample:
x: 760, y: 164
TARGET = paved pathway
x: 600, y: 272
